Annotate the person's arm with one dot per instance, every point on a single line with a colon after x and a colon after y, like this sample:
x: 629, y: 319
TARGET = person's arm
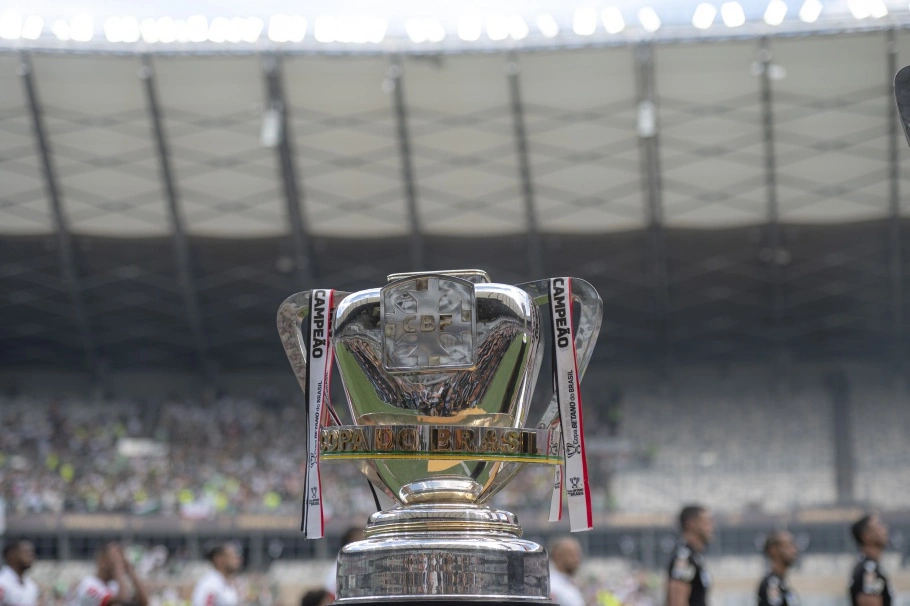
x: 679, y: 585
x: 865, y: 599
x: 119, y: 564
x: 678, y: 593
x: 140, y: 595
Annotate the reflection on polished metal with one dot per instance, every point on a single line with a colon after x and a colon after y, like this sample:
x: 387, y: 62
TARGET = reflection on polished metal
x: 439, y: 369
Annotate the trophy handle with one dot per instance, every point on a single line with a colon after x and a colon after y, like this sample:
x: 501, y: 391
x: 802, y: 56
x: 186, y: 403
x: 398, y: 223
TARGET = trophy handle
x: 586, y: 332
x: 292, y: 314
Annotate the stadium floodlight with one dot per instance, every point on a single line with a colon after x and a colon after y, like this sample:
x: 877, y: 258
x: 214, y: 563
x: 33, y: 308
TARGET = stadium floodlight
x: 61, y: 29
x: 732, y: 14
x: 775, y: 13
x: 354, y: 29
x: 649, y: 19
x: 279, y: 28
x: 129, y: 30
x: 235, y: 29
x: 181, y: 32
x: 167, y: 30
x: 82, y: 28
x: 585, y: 21
x: 251, y: 30
x: 877, y: 9
x: 197, y: 28
x: 470, y: 27
x: 858, y: 8
x: 298, y: 27
x: 376, y: 29
x: 435, y: 31
x: 32, y: 27
x: 10, y: 26
x: 518, y: 29
x: 218, y: 29
x: 325, y: 28
x: 112, y: 29
x: 704, y: 15
x: 810, y: 11
x: 416, y: 30
x: 497, y: 27
x: 612, y: 19
x: 547, y: 25
x: 148, y: 29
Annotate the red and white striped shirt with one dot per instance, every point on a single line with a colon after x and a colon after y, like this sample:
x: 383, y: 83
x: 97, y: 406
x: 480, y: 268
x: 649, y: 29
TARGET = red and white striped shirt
x: 92, y: 591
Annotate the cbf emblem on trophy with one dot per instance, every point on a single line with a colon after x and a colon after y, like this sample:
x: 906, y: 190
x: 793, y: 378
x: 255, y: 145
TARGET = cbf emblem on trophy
x: 439, y: 368
x: 428, y: 322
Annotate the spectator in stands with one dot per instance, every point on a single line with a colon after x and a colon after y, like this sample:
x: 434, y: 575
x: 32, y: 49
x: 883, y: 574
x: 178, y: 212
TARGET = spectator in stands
x: 565, y: 559
x: 351, y: 535
x: 110, y: 585
x: 316, y: 597
x: 781, y: 551
x: 869, y: 586
x: 215, y: 588
x: 15, y: 588
x: 689, y: 580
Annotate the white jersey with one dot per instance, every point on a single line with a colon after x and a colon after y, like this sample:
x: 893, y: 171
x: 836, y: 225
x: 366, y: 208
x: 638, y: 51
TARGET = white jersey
x: 92, y: 591
x: 331, y: 580
x: 563, y: 591
x: 15, y: 591
x: 214, y: 590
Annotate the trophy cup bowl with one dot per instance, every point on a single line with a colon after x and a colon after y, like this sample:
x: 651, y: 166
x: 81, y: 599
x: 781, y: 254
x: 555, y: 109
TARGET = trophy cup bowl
x: 439, y: 369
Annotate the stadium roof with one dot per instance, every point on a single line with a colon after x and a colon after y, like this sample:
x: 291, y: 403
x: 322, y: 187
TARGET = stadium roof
x: 619, y: 164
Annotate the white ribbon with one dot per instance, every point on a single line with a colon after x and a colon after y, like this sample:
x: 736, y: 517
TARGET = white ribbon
x: 555, y: 448
x: 568, y: 395
x: 319, y: 374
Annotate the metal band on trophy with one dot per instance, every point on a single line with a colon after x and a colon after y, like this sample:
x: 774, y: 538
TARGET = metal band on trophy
x: 438, y: 369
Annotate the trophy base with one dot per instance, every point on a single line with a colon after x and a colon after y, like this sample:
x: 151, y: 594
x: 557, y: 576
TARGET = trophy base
x: 453, y: 602
x: 443, y: 554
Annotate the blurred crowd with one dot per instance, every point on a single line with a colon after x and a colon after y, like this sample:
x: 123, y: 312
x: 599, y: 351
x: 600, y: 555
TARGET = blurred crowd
x: 178, y: 457
x: 172, y: 457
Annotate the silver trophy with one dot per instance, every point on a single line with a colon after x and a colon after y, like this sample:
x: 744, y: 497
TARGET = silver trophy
x: 438, y: 369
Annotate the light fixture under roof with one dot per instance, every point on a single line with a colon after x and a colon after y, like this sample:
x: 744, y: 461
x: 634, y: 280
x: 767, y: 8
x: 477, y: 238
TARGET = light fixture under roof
x: 197, y: 28
x: 82, y: 28
x: 649, y: 19
x: 858, y: 8
x: 325, y: 27
x: 167, y: 30
x: 732, y: 14
x: 61, y: 29
x: 612, y: 20
x: 518, y: 29
x: 218, y: 30
x: 435, y: 31
x: 279, y: 28
x: 32, y: 27
x: 497, y: 27
x: 416, y: 30
x: 810, y: 11
x: 704, y: 15
x: 10, y: 26
x: 585, y: 21
x: 470, y: 27
x: 877, y: 9
x: 547, y: 25
x: 775, y: 13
